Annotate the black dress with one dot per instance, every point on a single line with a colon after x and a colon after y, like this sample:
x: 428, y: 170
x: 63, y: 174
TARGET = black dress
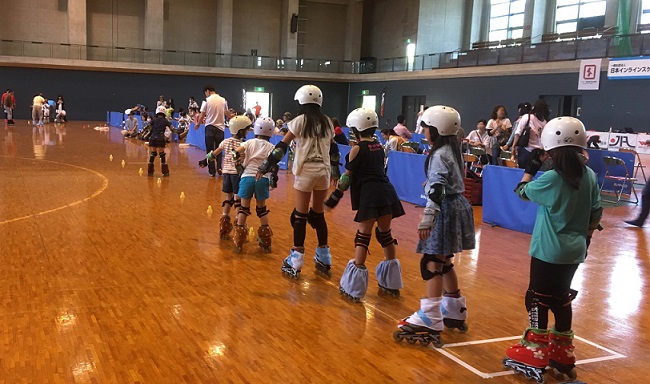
x: 371, y: 192
x: 159, y: 125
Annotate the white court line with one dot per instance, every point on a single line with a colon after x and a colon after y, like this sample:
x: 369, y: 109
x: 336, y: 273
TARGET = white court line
x: 489, y: 375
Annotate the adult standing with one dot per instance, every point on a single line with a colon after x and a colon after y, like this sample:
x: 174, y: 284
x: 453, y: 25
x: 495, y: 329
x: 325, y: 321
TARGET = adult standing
x: 37, y: 109
x: 214, y: 111
x: 258, y: 109
x: 401, y: 129
x: 9, y: 104
x: 419, y: 129
x: 535, y: 122
x: 645, y: 208
x: 161, y: 101
x: 499, y: 128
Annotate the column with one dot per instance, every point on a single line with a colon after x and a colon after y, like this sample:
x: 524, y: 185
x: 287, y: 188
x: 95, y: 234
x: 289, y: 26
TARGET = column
x: 528, y: 17
x: 289, y: 40
x: 224, y: 26
x: 154, y: 24
x: 353, y: 29
x: 611, y: 13
x: 542, y: 19
x: 77, y: 28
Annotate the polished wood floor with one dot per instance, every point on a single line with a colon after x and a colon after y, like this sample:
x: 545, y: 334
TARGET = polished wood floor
x: 107, y: 276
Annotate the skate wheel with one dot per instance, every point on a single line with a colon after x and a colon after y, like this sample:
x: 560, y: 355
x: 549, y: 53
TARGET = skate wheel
x: 425, y: 343
x: 463, y: 328
x: 238, y: 249
x: 397, y: 336
x: 438, y: 343
x: 411, y: 341
x: 504, y: 363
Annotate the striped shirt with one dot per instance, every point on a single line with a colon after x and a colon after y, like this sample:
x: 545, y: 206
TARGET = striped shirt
x: 227, y: 147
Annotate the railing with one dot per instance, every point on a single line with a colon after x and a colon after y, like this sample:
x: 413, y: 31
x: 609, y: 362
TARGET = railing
x: 561, y: 50
x: 172, y: 57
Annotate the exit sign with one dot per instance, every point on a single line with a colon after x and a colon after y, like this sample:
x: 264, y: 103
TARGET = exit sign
x: 259, y: 89
x: 365, y: 92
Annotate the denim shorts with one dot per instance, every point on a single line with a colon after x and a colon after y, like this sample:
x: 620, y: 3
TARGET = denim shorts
x: 248, y: 186
x: 230, y: 183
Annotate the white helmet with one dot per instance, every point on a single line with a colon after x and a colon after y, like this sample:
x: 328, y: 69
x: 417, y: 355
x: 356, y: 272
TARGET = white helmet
x: 563, y: 132
x: 309, y: 94
x: 445, y: 119
x: 62, y: 113
x: 127, y: 112
x: 237, y: 123
x: 264, y: 126
x: 362, y: 119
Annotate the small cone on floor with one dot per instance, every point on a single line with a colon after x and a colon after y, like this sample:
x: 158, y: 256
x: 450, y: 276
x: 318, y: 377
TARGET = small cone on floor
x: 182, y: 196
x: 209, y: 211
x: 123, y: 163
x: 110, y: 158
x: 251, y: 234
x: 159, y: 182
x: 140, y: 172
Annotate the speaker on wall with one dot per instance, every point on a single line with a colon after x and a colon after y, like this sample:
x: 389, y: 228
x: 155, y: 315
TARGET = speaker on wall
x: 294, y: 23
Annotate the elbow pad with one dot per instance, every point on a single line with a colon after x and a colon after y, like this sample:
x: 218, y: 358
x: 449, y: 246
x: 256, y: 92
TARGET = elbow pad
x: 437, y: 193
x: 521, y: 192
x: 344, y: 183
x: 594, y: 220
x: 274, y: 158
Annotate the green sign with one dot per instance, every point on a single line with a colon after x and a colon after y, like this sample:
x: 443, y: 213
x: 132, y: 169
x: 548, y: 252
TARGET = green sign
x: 408, y: 41
x: 365, y: 92
x: 259, y: 89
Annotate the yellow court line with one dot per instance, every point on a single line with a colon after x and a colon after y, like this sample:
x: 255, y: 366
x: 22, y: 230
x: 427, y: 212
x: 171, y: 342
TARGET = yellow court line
x: 95, y: 194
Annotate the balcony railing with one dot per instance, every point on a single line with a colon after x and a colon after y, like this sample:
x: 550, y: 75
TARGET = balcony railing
x: 514, y: 52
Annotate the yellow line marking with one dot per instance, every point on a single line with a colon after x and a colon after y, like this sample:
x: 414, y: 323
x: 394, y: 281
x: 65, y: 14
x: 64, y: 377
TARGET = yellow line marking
x: 95, y: 194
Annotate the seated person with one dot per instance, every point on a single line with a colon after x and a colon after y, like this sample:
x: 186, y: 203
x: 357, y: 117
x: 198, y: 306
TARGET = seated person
x: 480, y: 138
x: 393, y: 142
x: 131, y: 126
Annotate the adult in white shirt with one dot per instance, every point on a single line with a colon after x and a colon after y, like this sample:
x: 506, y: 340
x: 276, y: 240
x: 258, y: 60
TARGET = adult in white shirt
x: 481, y: 139
x: 536, y: 120
x: 418, y: 126
x: 214, y: 112
x: 499, y: 128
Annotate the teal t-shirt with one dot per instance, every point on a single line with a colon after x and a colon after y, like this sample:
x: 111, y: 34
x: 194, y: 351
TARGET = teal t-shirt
x: 562, y: 223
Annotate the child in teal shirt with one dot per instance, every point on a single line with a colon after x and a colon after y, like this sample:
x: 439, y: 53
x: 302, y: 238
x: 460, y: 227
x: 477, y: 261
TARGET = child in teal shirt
x: 569, y: 211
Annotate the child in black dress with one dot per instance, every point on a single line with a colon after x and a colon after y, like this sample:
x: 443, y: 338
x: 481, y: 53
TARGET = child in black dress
x: 375, y: 200
x: 157, y: 143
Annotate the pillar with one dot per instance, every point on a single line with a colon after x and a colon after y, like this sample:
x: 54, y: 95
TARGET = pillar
x: 154, y: 24
x: 77, y: 25
x: 289, y: 40
x: 353, y: 29
x: 224, y: 26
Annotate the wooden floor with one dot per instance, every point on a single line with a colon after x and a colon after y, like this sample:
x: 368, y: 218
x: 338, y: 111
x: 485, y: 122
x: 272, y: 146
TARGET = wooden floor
x: 108, y: 277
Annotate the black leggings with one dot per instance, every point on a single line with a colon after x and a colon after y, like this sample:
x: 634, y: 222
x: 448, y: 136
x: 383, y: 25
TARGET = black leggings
x: 213, y: 137
x: 554, y: 281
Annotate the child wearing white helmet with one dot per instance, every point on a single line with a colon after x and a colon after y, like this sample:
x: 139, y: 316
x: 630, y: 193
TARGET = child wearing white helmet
x: 569, y: 211
x: 375, y: 200
x: 254, y: 153
x: 238, y: 126
x: 312, y: 132
x: 447, y: 227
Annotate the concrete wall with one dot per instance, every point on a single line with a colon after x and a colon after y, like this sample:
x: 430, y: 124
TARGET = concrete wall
x: 256, y: 25
x: 386, y: 26
x: 324, y: 30
x: 34, y: 20
x: 612, y: 105
x: 440, y: 26
x: 103, y: 91
x: 190, y: 25
x: 116, y: 23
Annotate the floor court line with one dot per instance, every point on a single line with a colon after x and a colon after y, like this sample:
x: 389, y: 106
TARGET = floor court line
x: 92, y: 196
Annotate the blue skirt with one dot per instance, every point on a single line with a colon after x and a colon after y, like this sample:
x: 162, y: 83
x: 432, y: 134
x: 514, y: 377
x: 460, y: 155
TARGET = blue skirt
x: 453, y: 231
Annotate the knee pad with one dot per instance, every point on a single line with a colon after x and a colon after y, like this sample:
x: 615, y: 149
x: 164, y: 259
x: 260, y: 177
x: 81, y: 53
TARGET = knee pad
x: 230, y: 202
x: 384, y: 238
x: 152, y: 156
x: 246, y: 211
x: 389, y: 274
x: 237, y: 203
x: 261, y: 211
x: 362, y: 240
x: 447, y: 268
x: 163, y: 156
x: 298, y: 220
x: 426, y: 273
x: 316, y: 220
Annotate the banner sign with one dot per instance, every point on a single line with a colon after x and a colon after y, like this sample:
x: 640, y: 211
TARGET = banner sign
x: 629, y: 68
x: 589, y: 75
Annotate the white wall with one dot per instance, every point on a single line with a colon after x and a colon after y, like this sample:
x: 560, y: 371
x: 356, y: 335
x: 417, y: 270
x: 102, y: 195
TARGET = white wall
x: 34, y: 20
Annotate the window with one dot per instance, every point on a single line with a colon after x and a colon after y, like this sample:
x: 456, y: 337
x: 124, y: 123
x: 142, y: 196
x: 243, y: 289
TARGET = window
x: 572, y: 15
x: 506, y: 19
x: 645, y: 12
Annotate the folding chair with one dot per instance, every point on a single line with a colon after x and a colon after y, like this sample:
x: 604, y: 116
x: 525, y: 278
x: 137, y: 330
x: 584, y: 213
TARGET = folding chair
x: 474, y: 163
x: 480, y: 154
x: 505, y: 155
x: 509, y: 163
x: 410, y: 145
x: 615, y: 162
x: 638, y: 166
x: 408, y: 148
x: 424, y: 144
